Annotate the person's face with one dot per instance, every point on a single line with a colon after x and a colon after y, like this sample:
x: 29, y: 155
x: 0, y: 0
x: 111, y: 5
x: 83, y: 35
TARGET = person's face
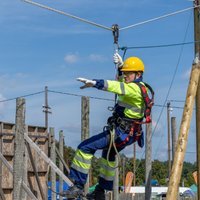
x: 129, y: 76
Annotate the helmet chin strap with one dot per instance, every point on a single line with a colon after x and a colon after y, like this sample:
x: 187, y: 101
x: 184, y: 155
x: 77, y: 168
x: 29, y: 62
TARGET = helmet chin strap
x: 138, y: 74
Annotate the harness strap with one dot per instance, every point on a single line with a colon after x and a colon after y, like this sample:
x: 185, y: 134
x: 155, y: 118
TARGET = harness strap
x: 135, y: 131
x: 148, y: 102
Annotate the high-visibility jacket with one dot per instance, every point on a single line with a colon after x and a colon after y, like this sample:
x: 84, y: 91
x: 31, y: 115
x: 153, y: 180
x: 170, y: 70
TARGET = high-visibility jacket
x: 130, y: 98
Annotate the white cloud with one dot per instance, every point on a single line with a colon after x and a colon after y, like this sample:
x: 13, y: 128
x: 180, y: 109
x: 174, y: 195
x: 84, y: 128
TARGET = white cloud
x: 97, y: 58
x: 71, y: 58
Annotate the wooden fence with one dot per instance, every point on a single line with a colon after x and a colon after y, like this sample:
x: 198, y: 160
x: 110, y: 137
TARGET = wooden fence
x: 7, y: 139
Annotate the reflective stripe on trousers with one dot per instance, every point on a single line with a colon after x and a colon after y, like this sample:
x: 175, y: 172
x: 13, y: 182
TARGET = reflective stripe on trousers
x: 107, y: 171
x: 82, y: 161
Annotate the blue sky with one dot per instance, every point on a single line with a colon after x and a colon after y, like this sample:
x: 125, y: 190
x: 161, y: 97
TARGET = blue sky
x: 41, y: 48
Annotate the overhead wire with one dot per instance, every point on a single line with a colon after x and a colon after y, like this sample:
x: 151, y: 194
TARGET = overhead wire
x: 99, y: 98
x: 179, y: 101
x: 105, y: 27
x: 27, y: 95
x: 160, y: 17
x: 78, y: 95
x: 66, y: 14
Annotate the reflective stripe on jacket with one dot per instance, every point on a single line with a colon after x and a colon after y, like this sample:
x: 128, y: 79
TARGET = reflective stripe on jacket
x: 129, y: 96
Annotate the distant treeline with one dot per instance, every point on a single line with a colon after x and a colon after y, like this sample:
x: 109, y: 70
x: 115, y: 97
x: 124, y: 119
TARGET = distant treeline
x: 159, y: 170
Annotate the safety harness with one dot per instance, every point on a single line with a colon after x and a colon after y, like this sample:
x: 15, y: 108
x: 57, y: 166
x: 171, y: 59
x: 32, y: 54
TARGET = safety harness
x: 147, y: 100
x: 133, y: 126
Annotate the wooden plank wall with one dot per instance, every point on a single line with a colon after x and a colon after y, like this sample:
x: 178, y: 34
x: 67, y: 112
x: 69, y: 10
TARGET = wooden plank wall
x: 40, y: 136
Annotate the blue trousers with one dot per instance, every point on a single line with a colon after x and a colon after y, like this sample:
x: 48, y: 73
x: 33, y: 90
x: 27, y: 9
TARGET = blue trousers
x: 101, y: 142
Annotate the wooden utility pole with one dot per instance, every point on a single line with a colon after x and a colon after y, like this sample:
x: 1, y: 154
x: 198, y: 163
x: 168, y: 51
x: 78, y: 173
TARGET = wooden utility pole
x: 123, y: 170
x: 116, y: 181
x: 169, y: 141
x: 174, y: 180
x: 84, y: 118
x: 61, y: 148
x: 148, y: 163
x: 35, y: 171
x: 46, y: 108
x: 19, y: 150
x: 134, y: 164
x: 53, y: 158
x: 173, y: 128
x: 197, y: 55
x: 85, y: 128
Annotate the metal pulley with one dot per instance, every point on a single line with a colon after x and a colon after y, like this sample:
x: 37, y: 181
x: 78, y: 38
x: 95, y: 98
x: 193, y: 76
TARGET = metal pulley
x: 115, y: 31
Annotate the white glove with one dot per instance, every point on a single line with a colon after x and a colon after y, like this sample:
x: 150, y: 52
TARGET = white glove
x: 87, y: 82
x: 118, y: 60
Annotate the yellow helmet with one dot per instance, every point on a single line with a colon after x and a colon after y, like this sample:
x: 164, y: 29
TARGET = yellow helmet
x: 133, y: 64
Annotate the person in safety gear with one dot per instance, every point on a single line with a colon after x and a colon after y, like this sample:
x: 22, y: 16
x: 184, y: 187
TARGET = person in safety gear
x: 127, y: 115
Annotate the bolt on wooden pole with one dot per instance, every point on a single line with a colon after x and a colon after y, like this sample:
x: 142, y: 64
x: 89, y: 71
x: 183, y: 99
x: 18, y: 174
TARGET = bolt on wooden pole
x: 176, y: 171
x: 19, y: 150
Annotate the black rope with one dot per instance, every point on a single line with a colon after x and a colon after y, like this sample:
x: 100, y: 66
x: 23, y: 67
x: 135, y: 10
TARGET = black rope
x: 158, y: 46
x: 124, y: 49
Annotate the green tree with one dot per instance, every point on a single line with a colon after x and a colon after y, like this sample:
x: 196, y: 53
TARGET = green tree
x: 159, y: 169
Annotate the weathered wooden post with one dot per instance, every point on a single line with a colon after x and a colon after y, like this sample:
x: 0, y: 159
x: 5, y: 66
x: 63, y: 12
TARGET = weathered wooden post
x: 53, y: 158
x: 61, y: 146
x: 34, y: 166
x: 174, y: 180
x: 116, y: 181
x: 2, y: 196
x: 148, y: 164
x: 85, y: 128
x: 173, y: 127
x: 19, y: 150
x: 169, y: 141
x: 134, y: 164
x: 25, y: 175
x: 197, y: 55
